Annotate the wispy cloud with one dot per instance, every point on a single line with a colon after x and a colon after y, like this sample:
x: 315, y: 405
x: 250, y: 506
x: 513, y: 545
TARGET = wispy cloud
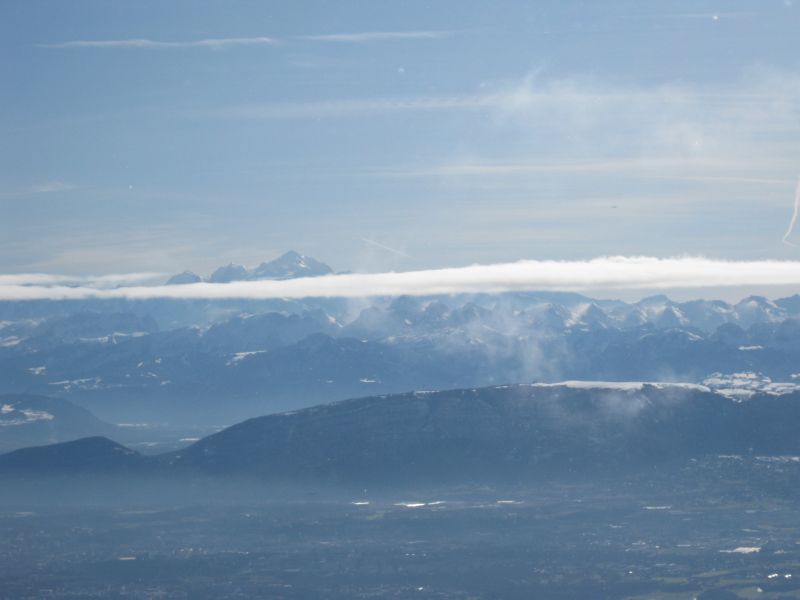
x: 356, y: 107
x: 45, y: 279
x: 712, y: 16
x: 618, y: 272
x: 714, y: 170
x: 674, y: 113
x: 351, y: 38
x: 156, y: 44
x: 385, y: 247
x: 376, y: 36
x: 43, y: 187
x: 49, y: 187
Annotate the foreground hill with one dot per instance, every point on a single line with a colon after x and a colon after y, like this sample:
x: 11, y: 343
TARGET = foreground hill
x: 92, y: 455
x: 499, y: 433
x: 506, y: 433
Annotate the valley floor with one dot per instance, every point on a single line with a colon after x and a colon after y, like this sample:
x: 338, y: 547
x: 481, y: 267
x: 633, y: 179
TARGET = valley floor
x: 655, y: 537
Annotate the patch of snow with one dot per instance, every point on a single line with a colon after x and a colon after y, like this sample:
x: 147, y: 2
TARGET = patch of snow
x: 25, y: 416
x: 88, y: 383
x: 743, y: 550
x: 779, y: 459
x: 240, y: 356
x: 631, y: 386
x: 744, y: 385
x: 37, y: 415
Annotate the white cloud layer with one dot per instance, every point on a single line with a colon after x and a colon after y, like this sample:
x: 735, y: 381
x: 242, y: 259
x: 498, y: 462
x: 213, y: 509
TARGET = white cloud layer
x: 616, y: 272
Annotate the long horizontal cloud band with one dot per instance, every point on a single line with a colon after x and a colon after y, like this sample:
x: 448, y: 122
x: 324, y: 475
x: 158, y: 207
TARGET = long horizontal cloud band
x: 528, y: 275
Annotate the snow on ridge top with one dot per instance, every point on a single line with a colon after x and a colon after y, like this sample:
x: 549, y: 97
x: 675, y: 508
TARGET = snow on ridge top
x: 240, y: 356
x: 745, y: 385
x: 635, y: 386
x: 743, y: 550
x: 13, y: 416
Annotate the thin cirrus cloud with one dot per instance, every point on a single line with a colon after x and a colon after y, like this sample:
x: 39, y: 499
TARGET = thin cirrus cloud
x: 358, y: 106
x: 376, y: 36
x: 352, y: 38
x: 615, y: 272
x: 46, y: 279
x: 49, y: 187
x: 44, y: 187
x: 144, y: 43
x: 671, y: 111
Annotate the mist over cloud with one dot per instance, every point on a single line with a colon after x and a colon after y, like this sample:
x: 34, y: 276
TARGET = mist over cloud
x: 615, y: 272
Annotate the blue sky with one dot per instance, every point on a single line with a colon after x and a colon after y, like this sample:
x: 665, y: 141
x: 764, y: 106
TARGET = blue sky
x: 141, y: 136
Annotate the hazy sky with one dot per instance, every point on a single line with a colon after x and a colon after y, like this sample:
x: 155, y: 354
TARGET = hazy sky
x: 160, y: 136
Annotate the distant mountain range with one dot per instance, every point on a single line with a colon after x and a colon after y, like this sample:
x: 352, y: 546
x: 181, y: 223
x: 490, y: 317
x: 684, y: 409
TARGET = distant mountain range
x: 212, y: 363
x: 497, y: 434
x: 288, y: 266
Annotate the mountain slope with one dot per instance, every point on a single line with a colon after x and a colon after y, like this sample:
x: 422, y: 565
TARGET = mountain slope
x: 28, y: 420
x: 91, y: 455
x: 505, y: 434
x: 501, y: 433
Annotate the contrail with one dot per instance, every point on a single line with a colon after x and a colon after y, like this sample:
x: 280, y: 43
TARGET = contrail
x: 794, y: 215
x: 379, y: 245
x: 608, y: 273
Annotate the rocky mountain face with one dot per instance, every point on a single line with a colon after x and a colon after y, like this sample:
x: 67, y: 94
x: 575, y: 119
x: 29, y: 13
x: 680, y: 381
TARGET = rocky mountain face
x: 290, y: 265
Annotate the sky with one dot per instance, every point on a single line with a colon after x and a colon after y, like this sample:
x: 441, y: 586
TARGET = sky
x: 163, y: 136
